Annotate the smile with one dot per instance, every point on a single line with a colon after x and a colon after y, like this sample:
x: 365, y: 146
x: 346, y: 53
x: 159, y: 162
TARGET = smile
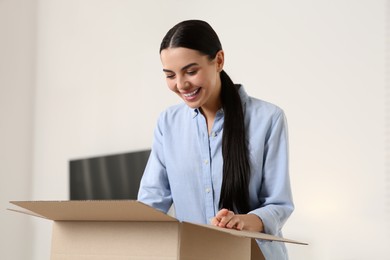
x: 191, y: 94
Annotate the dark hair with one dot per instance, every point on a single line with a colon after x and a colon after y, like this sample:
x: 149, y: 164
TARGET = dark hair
x: 199, y: 35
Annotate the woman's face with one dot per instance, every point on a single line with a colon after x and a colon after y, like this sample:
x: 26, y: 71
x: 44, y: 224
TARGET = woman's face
x: 193, y: 76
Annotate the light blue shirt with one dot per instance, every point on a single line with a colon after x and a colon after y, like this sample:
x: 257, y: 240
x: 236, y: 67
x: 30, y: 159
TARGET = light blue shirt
x: 185, y: 167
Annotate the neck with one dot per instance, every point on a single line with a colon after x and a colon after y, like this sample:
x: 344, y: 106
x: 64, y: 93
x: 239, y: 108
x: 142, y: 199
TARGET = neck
x: 210, y: 116
x: 210, y: 109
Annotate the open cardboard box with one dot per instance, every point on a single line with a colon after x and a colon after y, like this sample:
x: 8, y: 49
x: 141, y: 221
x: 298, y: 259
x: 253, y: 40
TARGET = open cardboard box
x: 126, y: 229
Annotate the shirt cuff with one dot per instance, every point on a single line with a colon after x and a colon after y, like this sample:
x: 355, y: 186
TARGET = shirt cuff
x: 270, y: 223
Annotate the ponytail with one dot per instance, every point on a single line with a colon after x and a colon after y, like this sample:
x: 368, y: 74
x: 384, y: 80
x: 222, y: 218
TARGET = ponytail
x: 236, y: 170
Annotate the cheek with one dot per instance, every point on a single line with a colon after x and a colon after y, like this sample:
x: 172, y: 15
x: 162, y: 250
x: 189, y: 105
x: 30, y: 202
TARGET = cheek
x: 206, y: 79
x: 171, y: 85
x: 200, y: 80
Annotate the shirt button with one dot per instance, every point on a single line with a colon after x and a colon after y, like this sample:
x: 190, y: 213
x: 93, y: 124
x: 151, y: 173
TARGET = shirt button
x: 206, y: 161
x: 208, y: 190
x: 213, y: 134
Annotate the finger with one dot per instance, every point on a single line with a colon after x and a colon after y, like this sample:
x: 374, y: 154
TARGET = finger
x: 232, y: 223
x: 222, y: 213
x: 240, y: 225
x: 214, y: 221
x: 236, y: 223
x: 226, y: 219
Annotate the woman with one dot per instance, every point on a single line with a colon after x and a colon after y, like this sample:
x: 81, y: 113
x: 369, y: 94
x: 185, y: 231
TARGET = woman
x: 221, y: 156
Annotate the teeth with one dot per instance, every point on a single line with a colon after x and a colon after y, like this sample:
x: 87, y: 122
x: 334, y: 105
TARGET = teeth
x: 191, y: 94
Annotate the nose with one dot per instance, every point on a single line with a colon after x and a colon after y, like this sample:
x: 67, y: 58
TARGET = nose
x: 182, y: 84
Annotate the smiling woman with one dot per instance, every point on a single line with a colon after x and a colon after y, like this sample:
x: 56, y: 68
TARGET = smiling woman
x: 220, y: 157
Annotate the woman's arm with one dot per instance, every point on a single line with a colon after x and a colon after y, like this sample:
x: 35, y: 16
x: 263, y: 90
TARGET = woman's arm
x: 154, y: 187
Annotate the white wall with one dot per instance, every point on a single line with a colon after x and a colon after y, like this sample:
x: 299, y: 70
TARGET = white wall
x: 17, y: 33
x: 99, y: 90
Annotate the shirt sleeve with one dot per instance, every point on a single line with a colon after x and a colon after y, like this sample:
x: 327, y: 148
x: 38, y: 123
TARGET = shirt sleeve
x: 275, y: 192
x: 154, y: 187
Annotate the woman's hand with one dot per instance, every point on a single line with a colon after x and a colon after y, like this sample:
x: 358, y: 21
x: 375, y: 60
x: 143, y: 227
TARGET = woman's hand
x: 227, y: 219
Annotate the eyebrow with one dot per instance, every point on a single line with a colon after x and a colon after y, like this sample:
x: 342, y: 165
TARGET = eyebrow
x: 184, y: 68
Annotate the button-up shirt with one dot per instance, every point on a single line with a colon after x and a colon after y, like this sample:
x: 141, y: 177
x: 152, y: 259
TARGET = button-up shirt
x: 185, y: 167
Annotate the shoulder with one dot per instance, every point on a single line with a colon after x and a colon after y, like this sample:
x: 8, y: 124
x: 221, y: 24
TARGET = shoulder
x: 262, y: 118
x: 258, y: 108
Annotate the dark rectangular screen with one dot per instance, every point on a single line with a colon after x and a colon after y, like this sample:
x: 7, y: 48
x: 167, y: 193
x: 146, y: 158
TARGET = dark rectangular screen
x: 107, y: 177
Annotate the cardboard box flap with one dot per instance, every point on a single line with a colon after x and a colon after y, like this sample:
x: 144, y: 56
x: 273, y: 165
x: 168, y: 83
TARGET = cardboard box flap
x: 27, y: 212
x: 92, y: 210
x: 249, y: 234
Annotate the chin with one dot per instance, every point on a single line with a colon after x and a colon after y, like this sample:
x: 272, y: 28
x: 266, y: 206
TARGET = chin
x: 192, y: 105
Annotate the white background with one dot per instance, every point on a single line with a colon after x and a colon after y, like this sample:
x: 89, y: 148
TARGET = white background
x: 83, y: 78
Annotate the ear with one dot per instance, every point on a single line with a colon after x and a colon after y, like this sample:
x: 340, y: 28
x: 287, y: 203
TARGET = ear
x: 220, y: 59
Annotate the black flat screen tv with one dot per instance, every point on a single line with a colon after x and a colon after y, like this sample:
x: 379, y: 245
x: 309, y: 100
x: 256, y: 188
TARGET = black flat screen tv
x: 109, y: 177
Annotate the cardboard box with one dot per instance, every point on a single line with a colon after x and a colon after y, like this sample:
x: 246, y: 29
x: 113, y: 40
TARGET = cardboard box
x: 125, y: 229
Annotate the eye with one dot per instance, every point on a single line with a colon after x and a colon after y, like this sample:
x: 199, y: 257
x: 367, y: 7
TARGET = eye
x: 192, y: 72
x: 170, y: 76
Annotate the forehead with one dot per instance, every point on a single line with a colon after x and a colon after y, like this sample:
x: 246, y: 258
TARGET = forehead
x: 176, y: 58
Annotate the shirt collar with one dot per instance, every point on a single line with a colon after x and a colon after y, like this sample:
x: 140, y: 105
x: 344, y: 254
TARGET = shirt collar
x: 243, y: 95
x: 195, y: 112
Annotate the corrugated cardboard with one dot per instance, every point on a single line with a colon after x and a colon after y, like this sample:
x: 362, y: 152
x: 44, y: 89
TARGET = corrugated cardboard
x: 125, y: 229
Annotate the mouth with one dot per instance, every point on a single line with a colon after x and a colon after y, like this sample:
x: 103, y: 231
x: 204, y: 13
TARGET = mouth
x: 191, y: 95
